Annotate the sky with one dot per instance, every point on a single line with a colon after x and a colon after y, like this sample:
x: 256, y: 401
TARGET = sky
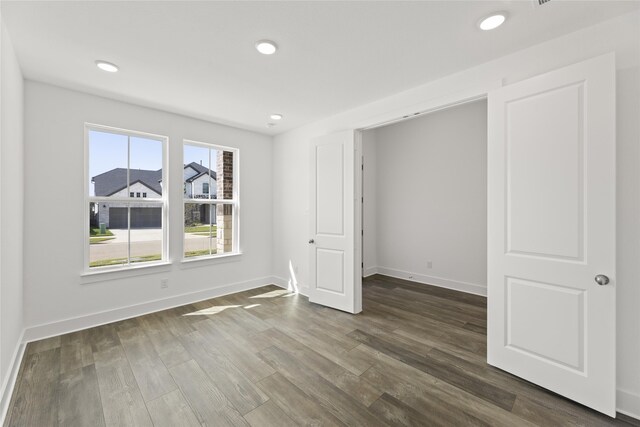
x: 108, y: 151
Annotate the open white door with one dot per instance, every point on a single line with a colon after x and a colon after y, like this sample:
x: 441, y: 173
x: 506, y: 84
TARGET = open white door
x: 551, y: 231
x: 333, y: 278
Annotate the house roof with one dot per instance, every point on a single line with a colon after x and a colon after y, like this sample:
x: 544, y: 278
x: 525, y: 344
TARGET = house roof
x: 115, y: 180
x: 202, y: 170
x: 110, y: 182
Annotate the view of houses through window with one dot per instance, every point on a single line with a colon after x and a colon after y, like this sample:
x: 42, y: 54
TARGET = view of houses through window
x: 124, y: 169
x: 209, y: 203
x: 128, y: 204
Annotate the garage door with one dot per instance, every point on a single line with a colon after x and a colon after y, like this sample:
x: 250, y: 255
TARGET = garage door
x: 117, y: 217
x: 146, y: 217
x: 140, y: 217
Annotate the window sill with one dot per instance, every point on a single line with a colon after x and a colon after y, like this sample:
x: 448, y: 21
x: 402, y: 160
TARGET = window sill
x: 124, y: 272
x: 210, y: 260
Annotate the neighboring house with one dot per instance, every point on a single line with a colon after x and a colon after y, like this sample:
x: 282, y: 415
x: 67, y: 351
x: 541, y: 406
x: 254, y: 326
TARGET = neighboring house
x: 197, y: 186
x: 145, y: 184
x: 196, y: 182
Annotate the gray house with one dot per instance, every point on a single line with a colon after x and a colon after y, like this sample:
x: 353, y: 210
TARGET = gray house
x: 146, y: 184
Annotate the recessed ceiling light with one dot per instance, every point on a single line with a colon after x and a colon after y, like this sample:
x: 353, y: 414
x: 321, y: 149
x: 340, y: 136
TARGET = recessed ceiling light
x: 107, y: 66
x: 276, y: 116
x: 266, y: 47
x: 493, y: 21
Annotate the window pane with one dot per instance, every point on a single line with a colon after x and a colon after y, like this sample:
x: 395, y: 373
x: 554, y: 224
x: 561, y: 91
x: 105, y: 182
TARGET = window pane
x: 107, y: 247
x: 224, y: 229
x: 146, y: 232
x: 197, y: 171
x: 145, y: 173
x: 199, y: 229
x: 107, y: 164
x: 224, y: 173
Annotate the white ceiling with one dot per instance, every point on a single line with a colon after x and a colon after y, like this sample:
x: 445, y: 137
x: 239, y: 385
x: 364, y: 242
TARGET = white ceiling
x: 198, y: 58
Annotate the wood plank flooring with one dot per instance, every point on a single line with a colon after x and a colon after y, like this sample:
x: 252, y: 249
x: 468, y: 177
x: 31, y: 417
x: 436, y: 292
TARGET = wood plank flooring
x: 266, y: 357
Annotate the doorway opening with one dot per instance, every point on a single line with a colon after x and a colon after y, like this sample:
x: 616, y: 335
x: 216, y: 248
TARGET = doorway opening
x: 424, y: 198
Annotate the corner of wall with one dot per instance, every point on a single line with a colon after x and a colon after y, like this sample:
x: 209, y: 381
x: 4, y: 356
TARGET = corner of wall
x: 11, y: 262
x: 10, y: 380
x: 628, y: 403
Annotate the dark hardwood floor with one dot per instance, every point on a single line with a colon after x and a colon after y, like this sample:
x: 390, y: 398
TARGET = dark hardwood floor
x: 266, y: 357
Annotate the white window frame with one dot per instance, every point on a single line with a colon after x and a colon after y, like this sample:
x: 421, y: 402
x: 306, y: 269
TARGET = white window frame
x: 163, y: 200
x: 235, y: 201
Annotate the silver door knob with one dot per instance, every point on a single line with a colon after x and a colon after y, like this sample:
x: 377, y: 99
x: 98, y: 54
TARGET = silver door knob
x: 311, y: 241
x: 601, y: 279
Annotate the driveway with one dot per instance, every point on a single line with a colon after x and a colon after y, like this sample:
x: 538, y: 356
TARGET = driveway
x: 144, y: 242
x: 137, y: 235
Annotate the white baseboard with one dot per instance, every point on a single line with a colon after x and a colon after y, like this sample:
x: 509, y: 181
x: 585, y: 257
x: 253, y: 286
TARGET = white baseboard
x: 65, y: 326
x: 284, y: 283
x: 369, y: 271
x: 279, y: 281
x: 10, y: 380
x: 471, y: 288
x: 628, y: 403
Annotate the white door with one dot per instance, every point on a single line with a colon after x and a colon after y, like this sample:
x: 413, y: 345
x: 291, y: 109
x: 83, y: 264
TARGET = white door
x: 333, y: 278
x: 551, y: 231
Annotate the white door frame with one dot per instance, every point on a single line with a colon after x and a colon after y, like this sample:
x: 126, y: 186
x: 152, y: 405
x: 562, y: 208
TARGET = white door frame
x: 427, y: 107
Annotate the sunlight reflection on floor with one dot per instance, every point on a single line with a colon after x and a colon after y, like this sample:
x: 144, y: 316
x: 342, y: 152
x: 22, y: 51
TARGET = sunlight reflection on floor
x: 211, y: 310
x: 251, y: 305
x: 273, y: 294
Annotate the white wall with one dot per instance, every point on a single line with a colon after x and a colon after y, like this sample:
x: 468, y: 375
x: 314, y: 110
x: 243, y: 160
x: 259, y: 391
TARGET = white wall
x: 622, y: 35
x: 432, y: 198
x: 55, y: 292
x: 11, y: 210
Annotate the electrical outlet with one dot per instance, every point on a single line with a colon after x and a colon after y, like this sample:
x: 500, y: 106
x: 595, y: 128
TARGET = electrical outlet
x: 164, y: 283
x: 429, y: 264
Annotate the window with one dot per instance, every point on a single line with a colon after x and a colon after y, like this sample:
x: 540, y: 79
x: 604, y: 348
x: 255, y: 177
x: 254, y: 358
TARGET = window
x: 124, y: 231
x: 144, y: 194
x: 210, y: 200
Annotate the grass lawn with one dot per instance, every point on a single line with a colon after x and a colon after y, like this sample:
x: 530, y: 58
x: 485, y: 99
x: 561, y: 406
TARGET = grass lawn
x: 96, y: 232
x: 205, y: 229
x: 93, y: 240
x: 120, y: 261
x: 203, y: 252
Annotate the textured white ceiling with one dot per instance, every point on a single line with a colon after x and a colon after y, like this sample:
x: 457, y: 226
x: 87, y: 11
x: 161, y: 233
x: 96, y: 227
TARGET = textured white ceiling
x: 198, y: 58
